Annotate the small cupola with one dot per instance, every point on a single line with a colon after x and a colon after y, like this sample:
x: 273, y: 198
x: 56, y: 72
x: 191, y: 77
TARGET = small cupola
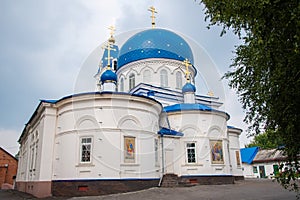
x: 188, y: 89
x: 109, y: 78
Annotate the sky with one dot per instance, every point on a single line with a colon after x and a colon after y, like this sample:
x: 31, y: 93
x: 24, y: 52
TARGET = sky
x: 45, y: 45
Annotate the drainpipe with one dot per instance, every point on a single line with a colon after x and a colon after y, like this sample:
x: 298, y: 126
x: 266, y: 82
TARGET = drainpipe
x: 162, y: 159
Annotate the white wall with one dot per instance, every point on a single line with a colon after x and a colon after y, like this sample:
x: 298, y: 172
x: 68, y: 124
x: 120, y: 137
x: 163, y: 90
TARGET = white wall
x: 106, y: 118
x: 200, y: 127
x: 234, y: 146
x: 35, y: 161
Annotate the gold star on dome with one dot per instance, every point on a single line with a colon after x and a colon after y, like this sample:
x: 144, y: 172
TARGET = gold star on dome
x: 210, y: 93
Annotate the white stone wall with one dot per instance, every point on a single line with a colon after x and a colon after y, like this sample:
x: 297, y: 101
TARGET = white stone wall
x: 35, y: 161
x: 199, y: 127
x: 106, y: 118
x: 234, y: 146
x: 248, y: 171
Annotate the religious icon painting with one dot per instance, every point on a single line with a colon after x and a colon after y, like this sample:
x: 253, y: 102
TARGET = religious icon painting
x: 129, y: 149
x: 238, y: 159
x: 216, y: 152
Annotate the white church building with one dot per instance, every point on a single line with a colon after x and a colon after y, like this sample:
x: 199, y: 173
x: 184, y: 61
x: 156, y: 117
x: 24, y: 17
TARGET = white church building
x: 144, y: 127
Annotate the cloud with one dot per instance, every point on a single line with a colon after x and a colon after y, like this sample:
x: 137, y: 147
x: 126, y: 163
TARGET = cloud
x: 44, y: 45
x: 9, y: 140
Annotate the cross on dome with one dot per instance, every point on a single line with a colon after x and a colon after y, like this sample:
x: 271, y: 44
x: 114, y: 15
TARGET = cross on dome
x: 112, y: 30
x: 153, y: 11
x: 108, y: 46
x: 187, y: 63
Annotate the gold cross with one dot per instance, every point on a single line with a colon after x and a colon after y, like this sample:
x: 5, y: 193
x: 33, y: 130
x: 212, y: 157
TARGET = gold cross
x: 112, y: 30
x: 108, y: 46
x: 187, y: 63
x: 152, y: 10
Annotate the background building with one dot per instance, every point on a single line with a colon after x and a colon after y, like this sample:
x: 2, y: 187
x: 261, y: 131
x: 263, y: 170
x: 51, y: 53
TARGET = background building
x: 8, y: 169
x: 261, y: 163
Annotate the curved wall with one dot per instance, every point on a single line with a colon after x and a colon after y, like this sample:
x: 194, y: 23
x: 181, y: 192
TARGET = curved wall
x: 106, y: 119
x: 203, y: 128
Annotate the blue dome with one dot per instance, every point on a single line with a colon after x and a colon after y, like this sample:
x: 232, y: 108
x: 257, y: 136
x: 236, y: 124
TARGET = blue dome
x: 188, y: 87
x: 108, y: 75
x: 155, y: 43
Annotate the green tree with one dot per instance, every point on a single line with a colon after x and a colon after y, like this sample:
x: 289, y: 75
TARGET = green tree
x: 265, y: 70
x: 267, y: 140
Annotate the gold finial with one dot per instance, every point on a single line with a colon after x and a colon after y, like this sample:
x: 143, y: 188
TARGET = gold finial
x: 108, y: 46
x: 152, y: 10
x: 187, y: 63
x: 210, y: 93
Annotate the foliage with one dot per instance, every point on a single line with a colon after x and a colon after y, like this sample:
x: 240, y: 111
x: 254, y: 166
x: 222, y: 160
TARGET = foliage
x: 267, y: 140
x: 265, y: 70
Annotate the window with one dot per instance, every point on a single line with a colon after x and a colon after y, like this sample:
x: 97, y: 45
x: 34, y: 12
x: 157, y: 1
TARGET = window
x: 191, y: 152
x: 163, y: 78
x: 131, y: 81
x: 122, y: 85
x: 86, y: 148
x: 254, y: 169
x: 275, y: 169
x: 178, y: 80
x: 147, y: 76
x: 114, y: 65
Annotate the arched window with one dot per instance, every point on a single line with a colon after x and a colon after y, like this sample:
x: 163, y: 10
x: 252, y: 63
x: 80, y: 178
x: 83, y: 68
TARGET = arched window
x: 147, y: 76
x: 121, y: 85
x: 114, y: 64
x: 131, y: 81
x: 178, y: 80
x: 163, y: 78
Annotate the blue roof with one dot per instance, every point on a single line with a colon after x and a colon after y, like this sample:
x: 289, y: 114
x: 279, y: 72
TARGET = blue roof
x: 180, y: 107
x: 166, y: 131
x: 108, y: 75
x: 233, y: 127
x: 248, y: 154
x: 48, y: 101
x: 113, y: 54
x: 155, y: 43
x: 188, y: 87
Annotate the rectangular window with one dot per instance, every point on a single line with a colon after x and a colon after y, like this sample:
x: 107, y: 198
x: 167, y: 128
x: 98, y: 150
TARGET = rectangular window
x: 191, y: 152
x: 129, y: 149
x: 86, y: 149
x: 275, y: 169
x: 254, y: 169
